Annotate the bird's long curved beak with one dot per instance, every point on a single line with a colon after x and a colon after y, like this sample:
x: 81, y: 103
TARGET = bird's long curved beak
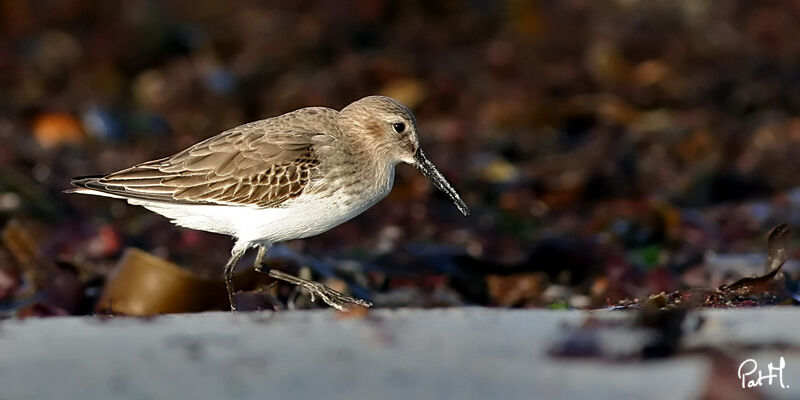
x: 428, y: 169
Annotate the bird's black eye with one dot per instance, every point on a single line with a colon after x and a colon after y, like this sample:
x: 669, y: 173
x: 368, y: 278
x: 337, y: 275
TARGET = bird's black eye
x: 399, y: 127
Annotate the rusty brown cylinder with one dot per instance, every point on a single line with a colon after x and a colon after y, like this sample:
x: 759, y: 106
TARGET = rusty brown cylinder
x: 143, y: 284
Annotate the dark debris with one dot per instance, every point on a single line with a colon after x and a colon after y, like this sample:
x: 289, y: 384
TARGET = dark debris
x: 609, y: 150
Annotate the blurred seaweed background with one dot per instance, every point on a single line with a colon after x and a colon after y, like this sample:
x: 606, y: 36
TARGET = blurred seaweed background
x: 609, y: 150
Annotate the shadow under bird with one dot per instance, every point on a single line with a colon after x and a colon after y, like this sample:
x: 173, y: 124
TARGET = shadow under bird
x: 287, y: 177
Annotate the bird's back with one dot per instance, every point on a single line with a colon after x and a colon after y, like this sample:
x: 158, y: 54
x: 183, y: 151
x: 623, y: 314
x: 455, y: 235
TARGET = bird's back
x: 262, y: 163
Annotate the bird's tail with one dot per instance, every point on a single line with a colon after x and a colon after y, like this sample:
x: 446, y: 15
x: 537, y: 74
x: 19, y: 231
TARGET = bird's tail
x: 91, y: 185
x: 81, y: 184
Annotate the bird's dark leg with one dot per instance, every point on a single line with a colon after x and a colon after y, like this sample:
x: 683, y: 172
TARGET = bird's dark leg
x: 262, y: 249
x: 237, y: 253
x: 331, y: 297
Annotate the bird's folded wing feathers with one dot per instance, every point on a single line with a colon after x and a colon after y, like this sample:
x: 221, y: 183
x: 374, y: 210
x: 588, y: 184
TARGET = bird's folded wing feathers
x: 261, y: 164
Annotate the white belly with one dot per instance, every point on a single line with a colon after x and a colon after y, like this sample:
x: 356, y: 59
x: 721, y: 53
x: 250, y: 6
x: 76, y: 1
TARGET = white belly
x: 302, y: 217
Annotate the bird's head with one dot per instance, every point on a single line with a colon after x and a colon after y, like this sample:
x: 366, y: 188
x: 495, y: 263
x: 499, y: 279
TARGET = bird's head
x: 389, y: 129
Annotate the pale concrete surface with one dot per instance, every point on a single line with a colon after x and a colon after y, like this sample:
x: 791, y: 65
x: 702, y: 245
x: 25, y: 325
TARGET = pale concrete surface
x: 406, y: 354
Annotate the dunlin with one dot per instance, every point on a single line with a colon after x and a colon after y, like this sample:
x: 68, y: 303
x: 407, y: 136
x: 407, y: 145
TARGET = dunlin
x: 288, y: 177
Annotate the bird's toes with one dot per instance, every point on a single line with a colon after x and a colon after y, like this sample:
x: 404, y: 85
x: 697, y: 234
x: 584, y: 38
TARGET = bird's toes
x: 338, y: 299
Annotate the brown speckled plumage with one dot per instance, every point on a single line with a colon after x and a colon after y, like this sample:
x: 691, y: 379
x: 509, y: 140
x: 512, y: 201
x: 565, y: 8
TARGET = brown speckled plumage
x: 263, y: 164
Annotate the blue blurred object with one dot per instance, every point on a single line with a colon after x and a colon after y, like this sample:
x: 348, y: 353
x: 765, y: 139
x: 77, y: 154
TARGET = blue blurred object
x: 220, y: 80
x: 102, y: 124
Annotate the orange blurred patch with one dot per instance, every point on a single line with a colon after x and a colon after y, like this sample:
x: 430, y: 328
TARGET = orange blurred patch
x: 52, y: 130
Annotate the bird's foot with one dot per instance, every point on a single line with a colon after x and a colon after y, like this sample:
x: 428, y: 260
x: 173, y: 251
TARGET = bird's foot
x: 333, y: 298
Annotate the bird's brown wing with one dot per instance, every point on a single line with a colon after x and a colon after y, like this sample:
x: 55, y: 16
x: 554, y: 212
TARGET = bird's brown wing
x: 263, y: 164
